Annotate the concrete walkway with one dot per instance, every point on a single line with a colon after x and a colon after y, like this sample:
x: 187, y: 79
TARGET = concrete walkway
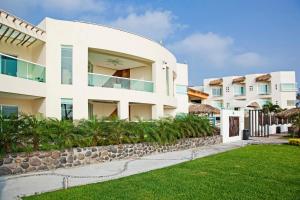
x: 11, y: 187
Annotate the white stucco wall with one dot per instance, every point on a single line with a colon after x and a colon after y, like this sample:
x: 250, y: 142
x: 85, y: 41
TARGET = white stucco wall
x: 82, y: 37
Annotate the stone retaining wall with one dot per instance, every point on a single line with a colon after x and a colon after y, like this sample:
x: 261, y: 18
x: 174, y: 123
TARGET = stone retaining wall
x: 39, y: 161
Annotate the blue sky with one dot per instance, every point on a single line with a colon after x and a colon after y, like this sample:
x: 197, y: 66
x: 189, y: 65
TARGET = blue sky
x: 215, y: 37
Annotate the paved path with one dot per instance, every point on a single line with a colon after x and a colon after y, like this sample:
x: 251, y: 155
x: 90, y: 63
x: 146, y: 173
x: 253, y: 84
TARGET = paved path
x: 27, y: 184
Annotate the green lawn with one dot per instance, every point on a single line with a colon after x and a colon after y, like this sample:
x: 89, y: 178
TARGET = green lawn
x: 252, y: 172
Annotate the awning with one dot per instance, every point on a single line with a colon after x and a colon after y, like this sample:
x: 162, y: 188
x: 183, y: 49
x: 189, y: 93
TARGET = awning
x: 239, y: 80
x: 16, y: 31
x: 217, y: 82
x: 263, y: 78
x: 254, y: 105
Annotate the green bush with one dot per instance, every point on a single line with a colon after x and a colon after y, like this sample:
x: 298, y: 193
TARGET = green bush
x: 33, y: 133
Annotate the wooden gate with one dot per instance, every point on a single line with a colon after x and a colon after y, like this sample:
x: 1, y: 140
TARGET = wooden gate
x: 258, y: 123
x: 234, y: 126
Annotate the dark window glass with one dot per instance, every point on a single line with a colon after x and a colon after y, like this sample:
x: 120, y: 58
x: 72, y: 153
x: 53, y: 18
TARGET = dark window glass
x: 8, y: 66
x: 8, y: 111
x: 66, y: 109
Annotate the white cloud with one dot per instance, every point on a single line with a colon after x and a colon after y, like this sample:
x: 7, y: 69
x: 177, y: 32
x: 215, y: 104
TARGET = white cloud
x: 249, y: 59
x: 213, y: 50
x: 157, y: 25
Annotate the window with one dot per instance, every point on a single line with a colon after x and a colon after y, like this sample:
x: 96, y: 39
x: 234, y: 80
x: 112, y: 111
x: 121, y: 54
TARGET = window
x: 66, y: 109
x: 264, y: 89
x: 251, y: 88
x: 66, y: 64
x: 288, y: 87
x: 167, y: 81
x: 7, y: 111
x: 291, y: 102
x: 217, y: 91
x: 276, y: 87
x: 9, y: 65
x: 227, y: 89
x: 227, y: 105
x: 239, y: 90
x: 181, y: 89
x: 90, y: 110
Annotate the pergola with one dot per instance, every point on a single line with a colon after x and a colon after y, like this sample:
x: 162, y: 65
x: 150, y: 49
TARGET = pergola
x: 14, y: 30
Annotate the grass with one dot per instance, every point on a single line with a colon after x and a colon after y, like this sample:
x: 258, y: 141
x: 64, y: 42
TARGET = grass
x: 252, y: 172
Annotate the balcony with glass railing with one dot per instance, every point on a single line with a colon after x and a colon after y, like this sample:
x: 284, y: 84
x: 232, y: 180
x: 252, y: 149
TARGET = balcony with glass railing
x: 264, y: 89
x: 288, y: 87
x: 13, y: 66
x: 217, y: 92
x: 239, y: 91
x: 101, y: 80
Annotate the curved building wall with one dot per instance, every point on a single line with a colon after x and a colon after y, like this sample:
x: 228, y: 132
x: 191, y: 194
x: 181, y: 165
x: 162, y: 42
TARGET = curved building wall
x: 83, y: 37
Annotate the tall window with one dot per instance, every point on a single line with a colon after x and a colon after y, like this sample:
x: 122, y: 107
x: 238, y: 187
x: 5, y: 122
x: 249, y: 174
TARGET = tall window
x: 66, y: 64
x: 7, y: 111
x: 167, y: 81
x: 66, y: 109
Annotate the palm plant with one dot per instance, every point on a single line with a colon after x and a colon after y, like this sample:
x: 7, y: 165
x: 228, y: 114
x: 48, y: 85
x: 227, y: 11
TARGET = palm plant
x: 62, y: 133
x: 167, y: 130
x: 34, y: 129
x: 10, y: 132
x: 116, y: 131
x: 95, y: 129
x: 269, y: 107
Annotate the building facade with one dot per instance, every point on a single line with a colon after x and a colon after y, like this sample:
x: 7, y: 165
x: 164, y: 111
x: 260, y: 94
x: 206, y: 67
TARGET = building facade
x: 76, y: 70
x: 253, y: 90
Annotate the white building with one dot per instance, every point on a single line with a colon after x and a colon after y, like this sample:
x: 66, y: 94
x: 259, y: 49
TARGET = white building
x: 67, y: 69
x: 253, y: 90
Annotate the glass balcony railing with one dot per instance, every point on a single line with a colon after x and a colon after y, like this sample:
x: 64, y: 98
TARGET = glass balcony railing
x: 264, y: 89
x: 239, y: 91
x: 288, y: 87
x: 100, y: 80
x: 13, y: 66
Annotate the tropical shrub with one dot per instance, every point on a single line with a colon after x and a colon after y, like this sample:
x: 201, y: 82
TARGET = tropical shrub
x: 27, y: 132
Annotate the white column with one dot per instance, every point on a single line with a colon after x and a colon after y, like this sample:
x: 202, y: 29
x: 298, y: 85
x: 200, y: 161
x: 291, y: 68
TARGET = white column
x: 123, y: 109
x: 80, y: 108
x: 157, y: 111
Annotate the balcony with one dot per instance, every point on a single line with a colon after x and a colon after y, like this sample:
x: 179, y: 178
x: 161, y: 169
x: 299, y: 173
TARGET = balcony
x: 239, y: 92
x: 264, y: 89
x: 13, y: 66
x: 217, y: 92
x: 288, y: 87
x: 101, y: 80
